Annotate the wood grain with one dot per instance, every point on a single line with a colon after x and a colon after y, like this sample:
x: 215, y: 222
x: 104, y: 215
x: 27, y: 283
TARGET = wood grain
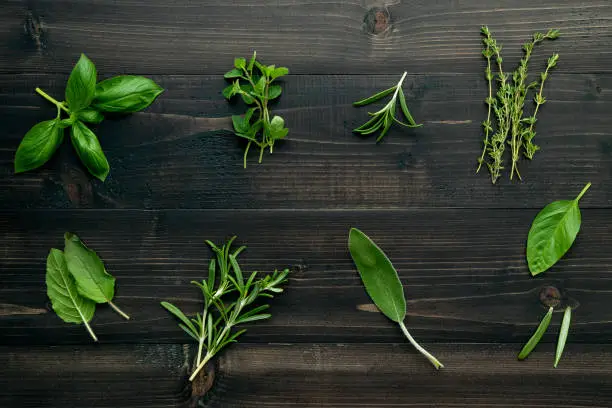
x: 177, y: 155
x: 311, y: 37
x: 464, y: 273
x: 307, y: 375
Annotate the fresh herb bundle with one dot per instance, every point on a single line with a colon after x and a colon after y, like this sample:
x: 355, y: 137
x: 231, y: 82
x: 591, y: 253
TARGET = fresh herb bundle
x: 384, y: 118
x: 85, y: 102
x: 551, y: 235
x: 382, y: 284
x: 508, y: 105
x: 77, y: 280
x: 253, y: 82
x: 212, y: 329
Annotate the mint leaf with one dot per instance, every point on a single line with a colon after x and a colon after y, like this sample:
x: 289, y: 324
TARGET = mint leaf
x: 274, y: 92
x: 81, y: 85
x: 240, y: 63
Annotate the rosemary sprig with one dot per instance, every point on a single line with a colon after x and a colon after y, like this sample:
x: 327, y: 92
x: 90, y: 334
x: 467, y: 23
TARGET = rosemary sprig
x: 213, y: 328
x: 384, y: 118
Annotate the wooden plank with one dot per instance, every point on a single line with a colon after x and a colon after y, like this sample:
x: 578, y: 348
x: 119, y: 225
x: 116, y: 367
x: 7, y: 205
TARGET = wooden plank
x: 344, y: 36
x: 307, y: 375
x: 178, y: 155
x: 464, y: 273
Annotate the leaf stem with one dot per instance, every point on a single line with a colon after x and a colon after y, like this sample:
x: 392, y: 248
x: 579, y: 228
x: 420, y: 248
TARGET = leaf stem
x: 584, y: 190
x: 416, y: 345
x: 91, y: 333
x: 206, y: 359
x: 52, y: 100
x: 118, y: 310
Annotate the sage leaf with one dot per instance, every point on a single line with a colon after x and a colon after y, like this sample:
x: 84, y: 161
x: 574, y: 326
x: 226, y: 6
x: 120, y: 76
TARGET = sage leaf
x: 553, y: 232
x: 382, y: 284
x: 125, y: 93
x: 92, y: 280
x: 537, y: 336
x: 38, y: 145
x: 378, y: 275
x: 89, y: 150
x: 66, y: 301
x: 90, y: 116
x: 563, y: 332
x: 81, y: 85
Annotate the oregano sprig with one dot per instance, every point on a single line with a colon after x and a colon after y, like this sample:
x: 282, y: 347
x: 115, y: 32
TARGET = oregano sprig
x: 85, y: 100
x: 213, y: 328
x: 385, y: 117
x: 253, y: 81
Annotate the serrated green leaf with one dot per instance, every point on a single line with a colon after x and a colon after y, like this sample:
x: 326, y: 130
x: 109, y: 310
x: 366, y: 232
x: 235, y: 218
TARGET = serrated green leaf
x: 38, y: 145
x: 66, y: 301
x: 81, y: 86
x: 378, y: 275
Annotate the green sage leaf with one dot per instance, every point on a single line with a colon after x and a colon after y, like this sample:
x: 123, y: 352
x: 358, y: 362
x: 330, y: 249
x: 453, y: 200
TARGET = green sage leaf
x: 38, y: 145
x: 537, y: 335
x: 378, y: 275
x: 81, y: 85
x: 89, y: 150
x: 552, y: 233
x: 90, y: 116
x: 126, y: 93
x: 563, y: 332
x: 66, y: 301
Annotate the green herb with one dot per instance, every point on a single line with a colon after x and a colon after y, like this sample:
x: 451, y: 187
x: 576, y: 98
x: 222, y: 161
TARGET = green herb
x: 66, y: 301
x: 537, y: 336
x: 84, y: 103
x: 253, y: 82
x: 384, y: 118
x: 553, y: 232
x: 563, y: 332
x: 509, y: 104
x: 92, y: 280
x: 212, y: 329
x: 382, y: 283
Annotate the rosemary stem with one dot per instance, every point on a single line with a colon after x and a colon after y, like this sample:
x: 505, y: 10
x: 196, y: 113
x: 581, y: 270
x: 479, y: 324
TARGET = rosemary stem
x: 202, y: 364
x: 416, y: 345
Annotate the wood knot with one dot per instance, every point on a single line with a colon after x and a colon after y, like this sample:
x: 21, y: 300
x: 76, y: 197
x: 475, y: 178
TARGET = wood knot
x: 377, y: 21
x: 33, y: 27
x: 550, y: 296
x: 203, y: 382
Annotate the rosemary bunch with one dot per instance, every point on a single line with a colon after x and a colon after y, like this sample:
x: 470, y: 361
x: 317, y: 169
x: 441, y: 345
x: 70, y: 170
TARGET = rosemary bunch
x: 509, y: 104
x: 212, y: 329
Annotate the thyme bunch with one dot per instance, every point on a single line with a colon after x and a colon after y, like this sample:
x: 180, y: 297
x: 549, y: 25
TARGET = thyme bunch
x: 509, y: 106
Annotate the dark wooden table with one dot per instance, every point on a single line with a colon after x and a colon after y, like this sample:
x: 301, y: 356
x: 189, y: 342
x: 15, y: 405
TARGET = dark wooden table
x: 177, y: 179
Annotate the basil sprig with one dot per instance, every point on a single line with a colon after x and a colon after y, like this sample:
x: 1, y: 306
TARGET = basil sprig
x: 84, y: 103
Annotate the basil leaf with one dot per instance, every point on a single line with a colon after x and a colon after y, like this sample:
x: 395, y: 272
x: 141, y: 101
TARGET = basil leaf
x: 92, y: 280
x: 81, y: 85
x: 38, y: 145
x: 90, y: 116
x: 67, y: 303
x: 274, y: 92
x: 552, y: 233
x: 378, y: 275
x: 563, y: 332
x: 89, y: 150
x: 126, y: 93
x: 537, y: 335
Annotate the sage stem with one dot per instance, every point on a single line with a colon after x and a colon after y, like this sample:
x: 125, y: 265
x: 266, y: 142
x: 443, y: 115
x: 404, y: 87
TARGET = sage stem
x: 416, y: 345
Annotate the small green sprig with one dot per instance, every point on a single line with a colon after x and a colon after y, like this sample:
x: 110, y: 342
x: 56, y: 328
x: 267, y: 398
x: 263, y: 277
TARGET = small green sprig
x: 253, y: 82
x: 213, y: 328
x: 85, y: 102
x: 384, y: 118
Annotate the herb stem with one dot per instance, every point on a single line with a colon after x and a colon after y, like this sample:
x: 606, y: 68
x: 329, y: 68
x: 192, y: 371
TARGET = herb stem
x: 416, y: 345
x: 584, y: 190
x: 91, y: 333
x: 202, y: 364
x: 118, y: 310
x: 487, y: 124
x: 202, y: 333
x: 52, y: 100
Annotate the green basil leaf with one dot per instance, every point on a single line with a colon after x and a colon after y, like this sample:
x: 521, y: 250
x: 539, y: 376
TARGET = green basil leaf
x: 240, y: 63
x: 89, y: 150
x: 563, y: 332
x: 90, y: 116
x: 81, y: 85
x: 125, y: 93
x: 552, y: 233
x: 92, y: 280
x: 537, y: 335
x: 274, y: 92
x: 234, y: 73
x: 378, y: 275
x: 38, y: 145
x: 66, y: 301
